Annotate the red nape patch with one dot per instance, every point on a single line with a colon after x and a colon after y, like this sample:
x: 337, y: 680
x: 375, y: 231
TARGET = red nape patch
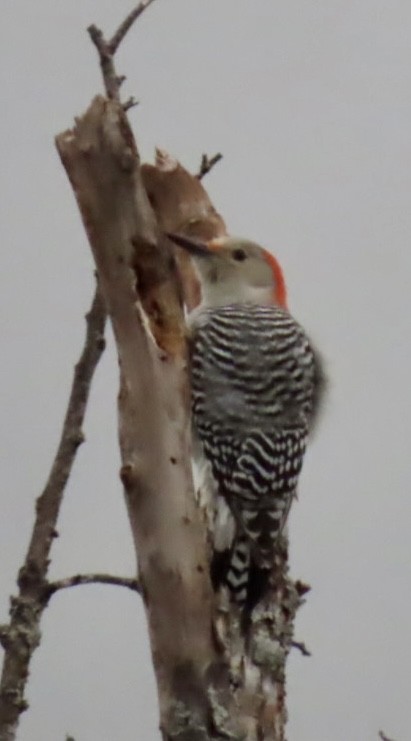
x: 280, y: 292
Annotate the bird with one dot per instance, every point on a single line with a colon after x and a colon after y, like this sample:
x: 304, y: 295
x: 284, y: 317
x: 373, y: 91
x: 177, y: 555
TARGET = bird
x: 257, y: 385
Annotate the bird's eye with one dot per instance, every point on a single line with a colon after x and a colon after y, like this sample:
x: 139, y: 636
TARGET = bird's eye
x: 239, y: 255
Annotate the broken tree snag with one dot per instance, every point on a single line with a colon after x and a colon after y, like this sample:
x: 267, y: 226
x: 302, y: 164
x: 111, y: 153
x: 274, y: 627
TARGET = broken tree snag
x: 181, y: 205
x: 136, y: 273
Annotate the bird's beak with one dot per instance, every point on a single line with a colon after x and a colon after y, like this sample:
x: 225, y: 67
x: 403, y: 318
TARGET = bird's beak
x: 193, y: 246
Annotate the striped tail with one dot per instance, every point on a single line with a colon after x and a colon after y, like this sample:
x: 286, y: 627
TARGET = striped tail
x: 238, y: 572
x: 245, y: 579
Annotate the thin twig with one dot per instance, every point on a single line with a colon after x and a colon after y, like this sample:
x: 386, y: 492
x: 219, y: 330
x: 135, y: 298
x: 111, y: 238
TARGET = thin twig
x: 124, y: 27
x: 300, y: 645
x: 130, y: 103
x: 78, y: 579
x: 107, y: 49
x: 207, y: 164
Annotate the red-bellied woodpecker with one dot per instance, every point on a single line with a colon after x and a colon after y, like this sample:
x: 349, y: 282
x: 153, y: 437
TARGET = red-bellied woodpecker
x: 257, y: 384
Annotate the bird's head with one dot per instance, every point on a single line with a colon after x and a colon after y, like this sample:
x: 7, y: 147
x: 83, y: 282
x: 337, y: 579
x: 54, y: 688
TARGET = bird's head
x: 235, y: 270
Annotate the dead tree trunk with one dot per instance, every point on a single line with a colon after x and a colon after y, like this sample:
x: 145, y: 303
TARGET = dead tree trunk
x: 210, y: 684
x: 139, y: 285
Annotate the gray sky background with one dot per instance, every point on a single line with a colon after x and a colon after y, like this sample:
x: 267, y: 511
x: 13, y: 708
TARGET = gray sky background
x: 310, y: 104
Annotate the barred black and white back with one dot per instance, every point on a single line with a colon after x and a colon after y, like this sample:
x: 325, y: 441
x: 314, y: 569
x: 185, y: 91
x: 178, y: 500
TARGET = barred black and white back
x: 256, y: 388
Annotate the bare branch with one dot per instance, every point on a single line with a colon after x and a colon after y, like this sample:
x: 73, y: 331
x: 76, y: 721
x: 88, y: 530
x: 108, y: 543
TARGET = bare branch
x: 47, y: 507
x: 112, y: 82
x: 207, y: 164
x: 22, y: 636
x: 130, y: 103
x: 79, y: 579
x: 107, y: 49
x: 383, y: 737
x: 125, y: 26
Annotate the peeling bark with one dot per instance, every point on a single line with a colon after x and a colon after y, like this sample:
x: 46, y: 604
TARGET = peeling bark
x: 181, y: 205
